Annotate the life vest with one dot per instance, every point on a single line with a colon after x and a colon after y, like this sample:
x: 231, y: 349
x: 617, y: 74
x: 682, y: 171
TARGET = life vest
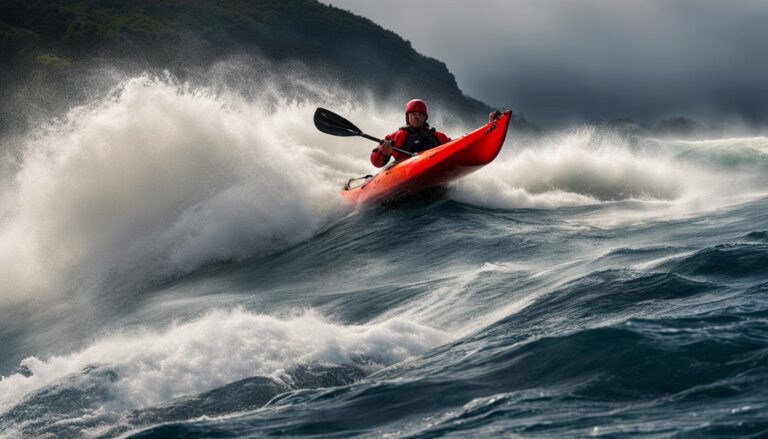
x: 418, y: 140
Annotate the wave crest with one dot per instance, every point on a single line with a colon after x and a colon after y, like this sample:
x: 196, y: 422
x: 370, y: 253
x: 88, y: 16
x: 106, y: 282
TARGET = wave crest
x: 158, y: 180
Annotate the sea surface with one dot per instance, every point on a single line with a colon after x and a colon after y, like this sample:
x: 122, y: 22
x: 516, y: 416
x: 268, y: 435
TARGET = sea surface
x: 177, y: 262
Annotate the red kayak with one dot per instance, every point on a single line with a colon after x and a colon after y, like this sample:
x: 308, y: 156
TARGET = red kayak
x: 434, y: 167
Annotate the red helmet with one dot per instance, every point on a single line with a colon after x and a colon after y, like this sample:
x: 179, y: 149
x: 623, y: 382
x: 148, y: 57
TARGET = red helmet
x: 416, y: 105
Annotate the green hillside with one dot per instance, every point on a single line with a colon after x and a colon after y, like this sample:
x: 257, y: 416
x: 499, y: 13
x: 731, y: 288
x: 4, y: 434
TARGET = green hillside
x: 53, y: 41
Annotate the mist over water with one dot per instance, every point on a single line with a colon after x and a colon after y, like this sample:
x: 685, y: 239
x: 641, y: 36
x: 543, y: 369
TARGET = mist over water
x: 172, y: 251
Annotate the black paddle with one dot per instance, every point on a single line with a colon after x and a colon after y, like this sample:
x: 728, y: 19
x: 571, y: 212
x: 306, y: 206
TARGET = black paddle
x: 331, y: 123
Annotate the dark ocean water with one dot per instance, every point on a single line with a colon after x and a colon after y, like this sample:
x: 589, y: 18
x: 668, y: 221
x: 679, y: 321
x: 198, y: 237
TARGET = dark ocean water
x: 665, y: 339
x: 587, y: 285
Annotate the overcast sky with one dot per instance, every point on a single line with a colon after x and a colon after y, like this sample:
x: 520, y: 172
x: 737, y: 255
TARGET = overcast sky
x: 560, y: 61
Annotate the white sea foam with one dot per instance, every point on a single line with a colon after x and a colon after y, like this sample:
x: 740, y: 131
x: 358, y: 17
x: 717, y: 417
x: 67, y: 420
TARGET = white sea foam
x: 587, y: 166
x: 160, y: 179
x: 759, y: 143
x: 218, y: 348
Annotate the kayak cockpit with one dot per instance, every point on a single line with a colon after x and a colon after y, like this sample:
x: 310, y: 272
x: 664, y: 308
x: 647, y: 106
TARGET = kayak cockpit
x: 357, y: 182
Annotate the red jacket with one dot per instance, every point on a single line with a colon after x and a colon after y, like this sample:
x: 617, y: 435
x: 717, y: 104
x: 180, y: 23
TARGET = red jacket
x: 411, y: 140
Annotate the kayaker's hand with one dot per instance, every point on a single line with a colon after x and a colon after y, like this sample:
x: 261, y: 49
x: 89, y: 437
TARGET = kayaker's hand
x: 493, y: 116
x: 386, y: 147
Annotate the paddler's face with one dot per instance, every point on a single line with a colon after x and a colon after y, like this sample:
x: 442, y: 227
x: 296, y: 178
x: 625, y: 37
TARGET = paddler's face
x: 416, y: 119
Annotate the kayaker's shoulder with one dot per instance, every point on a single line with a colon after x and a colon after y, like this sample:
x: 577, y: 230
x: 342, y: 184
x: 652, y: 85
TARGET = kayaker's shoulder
x: 442, y: 137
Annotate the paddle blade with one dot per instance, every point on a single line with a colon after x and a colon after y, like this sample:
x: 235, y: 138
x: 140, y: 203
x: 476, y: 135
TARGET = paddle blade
x: 331, y: 123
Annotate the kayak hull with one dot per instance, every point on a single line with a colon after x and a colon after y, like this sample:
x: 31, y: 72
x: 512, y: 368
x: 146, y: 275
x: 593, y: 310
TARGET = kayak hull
x: 435, y: 167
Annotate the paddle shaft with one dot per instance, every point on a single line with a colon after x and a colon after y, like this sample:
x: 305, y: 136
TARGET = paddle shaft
x: 402, y: 151
x: 371, y: 138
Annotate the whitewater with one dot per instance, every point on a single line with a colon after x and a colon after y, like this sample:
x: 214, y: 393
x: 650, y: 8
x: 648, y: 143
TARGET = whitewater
x: 176, y: 261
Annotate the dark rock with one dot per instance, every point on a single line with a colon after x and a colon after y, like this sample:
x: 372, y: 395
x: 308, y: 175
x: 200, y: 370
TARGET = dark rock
x: 679, y: 126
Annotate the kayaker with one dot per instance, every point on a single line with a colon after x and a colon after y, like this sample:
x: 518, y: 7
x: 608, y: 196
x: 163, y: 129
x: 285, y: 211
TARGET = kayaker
x: 415, y: 136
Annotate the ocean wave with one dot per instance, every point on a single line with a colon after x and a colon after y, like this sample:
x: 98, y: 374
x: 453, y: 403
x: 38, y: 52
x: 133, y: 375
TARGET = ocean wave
x: 156, y: 180
x: 725, y: 261
x: 626, y: 377
x: 587, y: 166
x: 143, y: 368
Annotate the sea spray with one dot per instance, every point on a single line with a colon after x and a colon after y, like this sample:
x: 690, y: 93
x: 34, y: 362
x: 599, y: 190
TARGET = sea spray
x: 141, y: 367
x: 587, y: 166
x: 157, y: 180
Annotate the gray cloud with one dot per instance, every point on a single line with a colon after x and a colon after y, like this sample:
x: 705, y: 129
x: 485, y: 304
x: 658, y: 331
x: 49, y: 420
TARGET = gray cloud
x: 563, y: 60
